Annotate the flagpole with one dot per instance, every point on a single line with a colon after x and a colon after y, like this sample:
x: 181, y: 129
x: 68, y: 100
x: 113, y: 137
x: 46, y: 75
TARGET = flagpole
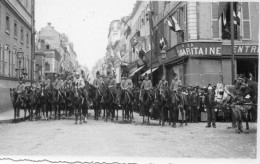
x: 232, y: 43
x: 151, y: 57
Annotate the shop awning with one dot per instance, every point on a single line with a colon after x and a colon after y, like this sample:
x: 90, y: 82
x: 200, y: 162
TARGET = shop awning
x: 138, y: 69
x: 149, y: 71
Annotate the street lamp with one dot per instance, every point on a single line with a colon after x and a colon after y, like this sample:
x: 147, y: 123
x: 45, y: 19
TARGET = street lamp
x: 19, y: 54
x: 163, y: 57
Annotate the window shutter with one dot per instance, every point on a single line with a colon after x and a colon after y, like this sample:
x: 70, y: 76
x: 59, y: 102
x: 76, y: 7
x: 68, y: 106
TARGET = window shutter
x: 214, y: 20
x: 246, y: 20
x: 185, y: 22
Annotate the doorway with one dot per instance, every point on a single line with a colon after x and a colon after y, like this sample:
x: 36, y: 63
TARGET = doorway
x: 246, y: 66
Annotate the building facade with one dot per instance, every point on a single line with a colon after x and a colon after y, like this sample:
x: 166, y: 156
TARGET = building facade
x: 200, y: 52
x: 15, y: 34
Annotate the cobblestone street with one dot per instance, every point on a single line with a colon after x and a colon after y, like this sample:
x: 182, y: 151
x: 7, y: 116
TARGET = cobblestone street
x: 99, y: 138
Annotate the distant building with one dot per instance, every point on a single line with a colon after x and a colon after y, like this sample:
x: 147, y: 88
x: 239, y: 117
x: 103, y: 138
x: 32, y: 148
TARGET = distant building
x: 65, y: 59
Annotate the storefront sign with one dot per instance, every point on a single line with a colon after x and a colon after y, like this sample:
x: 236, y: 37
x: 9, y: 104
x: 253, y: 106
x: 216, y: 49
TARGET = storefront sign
x: 200, y: 48
x: 241, y: 49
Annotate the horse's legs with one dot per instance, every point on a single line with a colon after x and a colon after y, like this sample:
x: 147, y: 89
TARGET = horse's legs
x: 55, y: 111
x: 25, y: 111
x: 80, y: 114
x: 123, y: 114
x: 15, y: 111
x: 117, y: 114
x: 182, y: 116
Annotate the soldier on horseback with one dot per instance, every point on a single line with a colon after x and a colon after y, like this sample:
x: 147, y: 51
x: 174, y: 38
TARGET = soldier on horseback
x: 21, y: 86
x: 98, y: 81
x: 163, y: 85
x: 126, y: 84
x: 147, y: 85
x: 79, y: 82
x: 46, y: 82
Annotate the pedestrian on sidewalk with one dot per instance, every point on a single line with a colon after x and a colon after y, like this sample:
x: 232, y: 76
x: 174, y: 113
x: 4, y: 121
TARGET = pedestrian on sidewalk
x: 210, y: 104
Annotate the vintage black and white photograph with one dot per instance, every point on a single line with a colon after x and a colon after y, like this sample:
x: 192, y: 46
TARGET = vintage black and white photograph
x: 128, y: 81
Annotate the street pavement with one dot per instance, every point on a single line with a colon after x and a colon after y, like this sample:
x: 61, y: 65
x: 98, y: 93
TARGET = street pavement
x: 100, y: 138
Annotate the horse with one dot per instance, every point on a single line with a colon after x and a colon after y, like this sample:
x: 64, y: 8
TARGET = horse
x: 57, y: 101
x: 159, y: 105
x: 176, y: 106
x: 17, y: 103
x: 110, y: 101
x: 95, y: 96
x: 146, y: 100
x: 124, y: 100
x: 235, y: 97
x: 41, y: 104
x: 78, y: 100
x: 135, y: 100
x: 32, y: 101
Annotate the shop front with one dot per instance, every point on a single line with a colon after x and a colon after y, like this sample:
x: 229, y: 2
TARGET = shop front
x: 246, y: 59
x: 202, y: 63
x: 196, y: 63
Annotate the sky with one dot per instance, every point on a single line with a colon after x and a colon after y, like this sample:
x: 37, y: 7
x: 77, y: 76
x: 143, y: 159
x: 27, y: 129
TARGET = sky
x: 86, y: 22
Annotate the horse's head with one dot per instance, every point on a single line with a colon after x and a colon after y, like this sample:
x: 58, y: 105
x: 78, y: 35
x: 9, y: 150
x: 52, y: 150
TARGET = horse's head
x: 219, y: 93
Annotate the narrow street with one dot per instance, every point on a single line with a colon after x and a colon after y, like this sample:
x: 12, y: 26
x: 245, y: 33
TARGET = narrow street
x: 100, y: 138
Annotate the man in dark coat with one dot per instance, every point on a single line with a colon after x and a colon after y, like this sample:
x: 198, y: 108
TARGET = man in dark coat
x: 210, y: 104
x: 195, y: 104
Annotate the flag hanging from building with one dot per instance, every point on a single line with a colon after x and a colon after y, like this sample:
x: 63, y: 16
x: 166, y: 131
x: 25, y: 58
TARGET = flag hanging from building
x: 223, y: 8
x: 237, y: 15
x: 162, y: 43
x: 127, y: 31
x: 173, y: 24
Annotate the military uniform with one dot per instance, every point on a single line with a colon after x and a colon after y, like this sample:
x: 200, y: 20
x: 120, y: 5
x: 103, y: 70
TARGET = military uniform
x: 127, y: 84
x: 68, y: 83
x: 79, y: 82
x: 175, y: 84
x: 98, y: 82
x: 195, y: 102
x: 147, y: 85
x: 39, y: 84
x: 210, y: 104
x: 47, y: 83
x: 20, y: 88
x: 163, y: 85
x: 58, y: 84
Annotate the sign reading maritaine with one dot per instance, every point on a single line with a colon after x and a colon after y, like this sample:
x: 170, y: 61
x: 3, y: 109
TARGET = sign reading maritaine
x: 199, y: 48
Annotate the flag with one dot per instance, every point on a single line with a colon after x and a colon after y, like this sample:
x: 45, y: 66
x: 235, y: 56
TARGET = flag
x: 222, y: 6
x: 162, y: 43
x: 237, y: 15
x: 173, y: 24
x: 141, y: 54
x: 127, y: 31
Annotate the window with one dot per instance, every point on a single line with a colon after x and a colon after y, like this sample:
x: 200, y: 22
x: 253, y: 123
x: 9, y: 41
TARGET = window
x: 0, y: 16
x: 27, y: 39
x: 1, y: 60
x: 14, y: 62
x: 225, y: 22
x: 22, y: 35
x: 15, y: 29
x: 7, y: 22
x: 6, y: 61
x: 47, y: 47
